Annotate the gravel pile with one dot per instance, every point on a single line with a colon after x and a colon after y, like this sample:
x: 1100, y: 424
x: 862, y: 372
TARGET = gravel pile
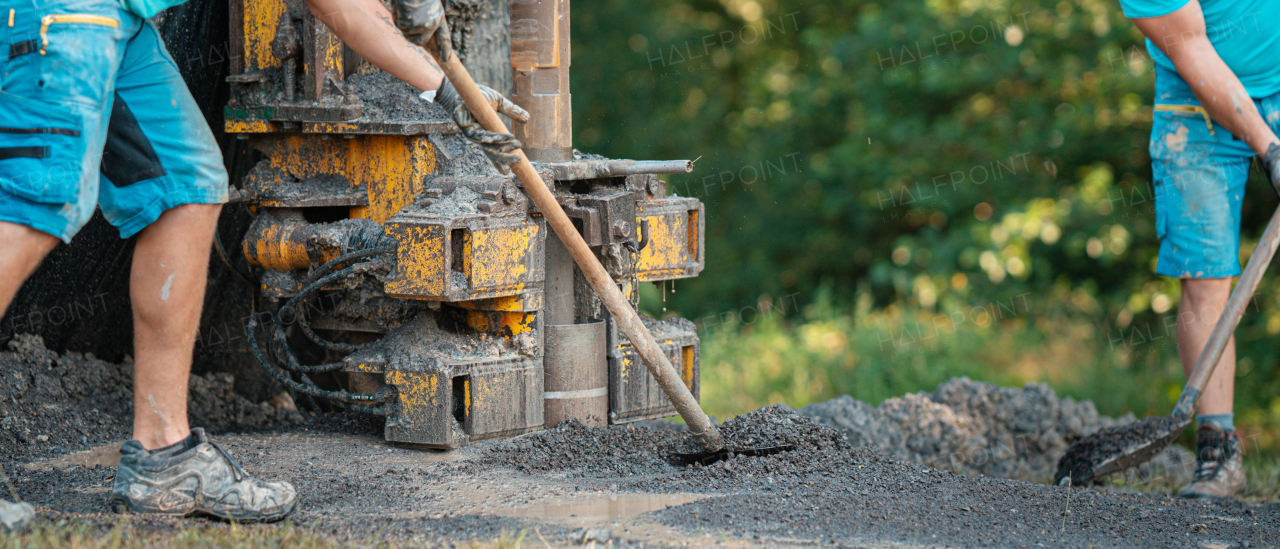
x: 575, y: 450
x: 971, y: 427
x: 54, y: 403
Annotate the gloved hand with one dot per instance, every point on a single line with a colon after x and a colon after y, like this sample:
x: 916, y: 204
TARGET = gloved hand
x: 1271, y: 165
x: 497, y: 146
x: 419, y: 20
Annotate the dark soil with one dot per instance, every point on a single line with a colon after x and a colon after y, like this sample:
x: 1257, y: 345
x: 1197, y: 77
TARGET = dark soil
x: 830, y: 490
x: 1090, y: 452
x: 978, y: 428
x: 386, y: 97
x: 51, y: 403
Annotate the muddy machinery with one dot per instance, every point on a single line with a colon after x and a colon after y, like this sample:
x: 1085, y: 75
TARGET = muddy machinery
x: 384, y: 237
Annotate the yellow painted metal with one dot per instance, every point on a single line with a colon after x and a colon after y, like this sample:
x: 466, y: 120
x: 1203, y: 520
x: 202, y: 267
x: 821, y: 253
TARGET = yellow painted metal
x: 668, y: 252
x: 460, y: 260
x: 261, y: 19
x: 498, y: 257
x: 422, y: 267
x: 249, y: 126
x: 686, y: 373
x: 693, y: 237
x: 674, y: 248
x: 507, y: 323
x: 522, y: 302
x: 392, y: 169
x: 466, y: 397
x: 277, y: 246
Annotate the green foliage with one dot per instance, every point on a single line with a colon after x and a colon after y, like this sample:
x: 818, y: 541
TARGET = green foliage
x: 926, y: 156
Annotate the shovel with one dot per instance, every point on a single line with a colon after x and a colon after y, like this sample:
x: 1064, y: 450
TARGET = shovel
x: 1118, y: 448
x: 704, y: 432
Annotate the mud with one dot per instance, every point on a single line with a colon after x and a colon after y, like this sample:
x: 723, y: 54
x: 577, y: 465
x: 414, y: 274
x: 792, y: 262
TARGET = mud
x: 977, y: 428
x: 1111, y: 442
x: 831, y: 492
x: 387, y: 98
x: 612, y: 485
x: 54, y: 403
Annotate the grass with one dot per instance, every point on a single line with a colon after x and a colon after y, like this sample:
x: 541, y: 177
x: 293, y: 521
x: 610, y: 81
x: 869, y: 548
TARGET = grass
x: 196, y: 535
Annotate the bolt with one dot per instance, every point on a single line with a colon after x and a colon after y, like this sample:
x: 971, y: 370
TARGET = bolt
x: 621, y: 228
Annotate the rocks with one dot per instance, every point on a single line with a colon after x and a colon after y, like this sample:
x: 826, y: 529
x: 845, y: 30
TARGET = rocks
x: 54, y: 403
x: 15, y: 517
x: 971, y: 427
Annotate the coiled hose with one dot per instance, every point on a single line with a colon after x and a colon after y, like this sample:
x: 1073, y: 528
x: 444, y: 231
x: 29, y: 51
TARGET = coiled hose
x: 286, y: 359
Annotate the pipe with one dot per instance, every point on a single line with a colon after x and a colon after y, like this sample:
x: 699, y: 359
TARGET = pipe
x: 593, y: 169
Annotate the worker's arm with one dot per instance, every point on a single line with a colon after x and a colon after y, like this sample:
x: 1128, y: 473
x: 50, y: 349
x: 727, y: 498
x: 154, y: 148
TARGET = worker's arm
x: 367, y: 27
x: 1181, y: 35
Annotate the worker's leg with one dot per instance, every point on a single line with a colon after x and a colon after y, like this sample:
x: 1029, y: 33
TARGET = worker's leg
x: 1200, y: 170
x: 162, y: 179
x: 1203, y: 300
x: 21, y: 250
x: 167, y: 287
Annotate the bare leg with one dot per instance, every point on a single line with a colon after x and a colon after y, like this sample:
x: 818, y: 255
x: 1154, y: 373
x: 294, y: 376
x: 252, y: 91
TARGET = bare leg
x: 170, y: 267
x: 21, y: 250
x: 1203, y: 300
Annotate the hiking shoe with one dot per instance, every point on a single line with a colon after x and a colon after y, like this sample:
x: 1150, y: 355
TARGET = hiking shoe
x: 15, y: 517
x: 193, y: 477
x: 1219, y: 465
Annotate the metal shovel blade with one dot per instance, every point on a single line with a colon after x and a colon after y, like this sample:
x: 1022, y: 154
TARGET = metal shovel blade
x: 707, y: 458
x: 1118, y: 448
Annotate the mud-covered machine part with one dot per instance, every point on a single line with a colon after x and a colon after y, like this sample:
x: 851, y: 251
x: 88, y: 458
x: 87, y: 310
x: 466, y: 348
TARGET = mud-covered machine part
x: 425, y: 278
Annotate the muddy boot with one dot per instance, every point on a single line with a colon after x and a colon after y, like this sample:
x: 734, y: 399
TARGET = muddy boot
x: 192, y: 477
x: 1219, y: 465
x: 15, y: 517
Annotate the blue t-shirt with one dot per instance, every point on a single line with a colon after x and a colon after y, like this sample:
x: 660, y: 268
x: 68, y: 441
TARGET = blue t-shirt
x: 1236, y: 30
x: 149, y: 8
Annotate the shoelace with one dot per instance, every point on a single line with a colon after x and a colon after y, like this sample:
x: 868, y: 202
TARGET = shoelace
x: 1209, y: 469
x: 235, y: 465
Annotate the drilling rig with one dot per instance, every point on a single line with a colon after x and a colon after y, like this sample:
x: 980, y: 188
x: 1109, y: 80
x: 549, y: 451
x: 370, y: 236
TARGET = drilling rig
x: 435, y: 289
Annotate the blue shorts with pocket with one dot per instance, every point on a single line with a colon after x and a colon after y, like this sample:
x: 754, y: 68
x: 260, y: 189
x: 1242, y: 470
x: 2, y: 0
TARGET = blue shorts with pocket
x: 1199, y: 170
x: 94, y: 113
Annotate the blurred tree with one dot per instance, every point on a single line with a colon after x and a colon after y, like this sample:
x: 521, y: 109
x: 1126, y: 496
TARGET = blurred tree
x: 929, y: 153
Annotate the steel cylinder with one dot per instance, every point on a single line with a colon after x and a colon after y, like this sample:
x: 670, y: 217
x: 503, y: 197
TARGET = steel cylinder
x: 279, y: 244
x: 540, y: 58
x: 576, y: 374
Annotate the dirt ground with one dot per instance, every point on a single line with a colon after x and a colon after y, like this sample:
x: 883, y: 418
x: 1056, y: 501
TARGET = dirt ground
x: 571, y: 484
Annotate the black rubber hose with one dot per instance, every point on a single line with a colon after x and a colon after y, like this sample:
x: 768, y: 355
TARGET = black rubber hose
x: 344, y: 258
x: 383, y: 410
x: 330, y: 345
x: 290, y: 361
x: 284, y: 379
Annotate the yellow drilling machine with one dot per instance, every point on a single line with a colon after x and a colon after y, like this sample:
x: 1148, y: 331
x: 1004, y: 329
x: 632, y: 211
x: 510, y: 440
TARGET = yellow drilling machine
x: 429, y: 281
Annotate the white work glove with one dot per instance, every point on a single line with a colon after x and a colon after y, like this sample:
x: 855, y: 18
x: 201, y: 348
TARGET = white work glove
x: 497, y: 147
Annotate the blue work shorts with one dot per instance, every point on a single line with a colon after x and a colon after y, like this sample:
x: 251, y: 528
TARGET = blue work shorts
x: 94, y: 113
x: 1199, y: 170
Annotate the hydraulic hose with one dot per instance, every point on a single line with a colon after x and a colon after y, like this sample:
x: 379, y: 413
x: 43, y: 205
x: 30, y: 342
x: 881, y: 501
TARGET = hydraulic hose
x: 287, y: 359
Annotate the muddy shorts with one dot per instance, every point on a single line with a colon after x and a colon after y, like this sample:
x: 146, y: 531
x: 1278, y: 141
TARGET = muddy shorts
x: 1199, y: 170
x: 93, y: 113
